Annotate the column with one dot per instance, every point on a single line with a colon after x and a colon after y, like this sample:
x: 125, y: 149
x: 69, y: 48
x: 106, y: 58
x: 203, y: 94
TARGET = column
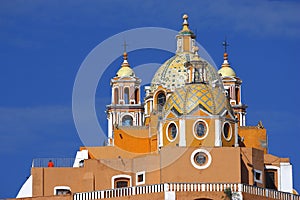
x: 182, y: 140
x: 218, y: 139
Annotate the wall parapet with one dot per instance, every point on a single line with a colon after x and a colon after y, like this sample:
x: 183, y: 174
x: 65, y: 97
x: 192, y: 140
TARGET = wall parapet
x: 58, y: 162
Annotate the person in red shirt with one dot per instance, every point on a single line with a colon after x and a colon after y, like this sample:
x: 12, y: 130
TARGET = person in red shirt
x: 50, y: 163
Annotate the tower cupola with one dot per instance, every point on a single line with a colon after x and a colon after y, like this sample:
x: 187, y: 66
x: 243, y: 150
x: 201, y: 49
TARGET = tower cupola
x: 185, y: 37
x: 125, y: 69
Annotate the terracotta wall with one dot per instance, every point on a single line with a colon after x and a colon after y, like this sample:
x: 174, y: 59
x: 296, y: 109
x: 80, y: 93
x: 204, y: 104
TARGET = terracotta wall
x: 224, y: 167
x: 171, y: 164
x: 63, y: 197
x: 254, y: 137
x: 252, y: 159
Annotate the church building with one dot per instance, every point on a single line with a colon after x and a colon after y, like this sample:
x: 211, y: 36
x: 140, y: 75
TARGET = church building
x: 187, y: 139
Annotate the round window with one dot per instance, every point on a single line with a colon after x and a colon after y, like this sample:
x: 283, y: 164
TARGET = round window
x: 200, y: 129
x: 227, y: 131
x: 200, y: 159
x: 172, y: 132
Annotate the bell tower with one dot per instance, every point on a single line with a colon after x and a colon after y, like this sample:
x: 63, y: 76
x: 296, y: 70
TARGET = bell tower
x: 233, y: 87
x: 125, y: 108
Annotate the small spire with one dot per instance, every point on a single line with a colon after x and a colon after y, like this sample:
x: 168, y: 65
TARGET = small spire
x: 125, y: 45
x: 125, y: 62
x: 225, y: 62
x: 226, y: 70
x: 185, y: 24
x: 125, y: 56
x: 225, y: 44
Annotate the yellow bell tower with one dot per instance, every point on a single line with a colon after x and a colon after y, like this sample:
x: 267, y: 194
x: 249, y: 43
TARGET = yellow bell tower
x: 233, y: 86
x: 125, y: 108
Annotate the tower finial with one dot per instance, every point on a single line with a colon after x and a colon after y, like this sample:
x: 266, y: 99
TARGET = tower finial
x: 185, y: 24
x: 125, y: 45
x: 225, y: 44
x: 125, y: 55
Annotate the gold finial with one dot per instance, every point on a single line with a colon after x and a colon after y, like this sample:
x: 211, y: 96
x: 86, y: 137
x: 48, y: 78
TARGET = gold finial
x: 185, y: 16
x: 125, y: 56
x: 225, y: 45
x: 225, y: 56
x: 185, y: 24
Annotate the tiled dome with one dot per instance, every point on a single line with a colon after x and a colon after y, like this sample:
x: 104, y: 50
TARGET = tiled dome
x: 211, y: 99
x: 172, y: 74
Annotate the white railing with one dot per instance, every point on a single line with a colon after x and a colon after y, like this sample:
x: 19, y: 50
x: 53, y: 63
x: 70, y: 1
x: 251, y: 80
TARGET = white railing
x: 268, y: 193
x: 119, y: 192
x: 185, y: 187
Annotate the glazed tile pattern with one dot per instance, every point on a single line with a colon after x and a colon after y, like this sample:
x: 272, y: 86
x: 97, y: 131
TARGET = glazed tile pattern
x: 186, y: 99
x: 172, y: 74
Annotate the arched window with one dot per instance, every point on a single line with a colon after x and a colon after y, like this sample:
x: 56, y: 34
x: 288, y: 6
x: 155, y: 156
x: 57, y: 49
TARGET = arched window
x: 136, y: 96
x: 116, y: 96
x: 161, y: 100
x: 120, y: 181
x: 127, y: 120
x: 126, y: 95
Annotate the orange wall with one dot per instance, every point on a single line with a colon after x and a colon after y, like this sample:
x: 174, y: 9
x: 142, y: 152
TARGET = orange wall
x: 224, y: 168
x: 133, y: 143
x: 253, y: 137
x: 164, y: 166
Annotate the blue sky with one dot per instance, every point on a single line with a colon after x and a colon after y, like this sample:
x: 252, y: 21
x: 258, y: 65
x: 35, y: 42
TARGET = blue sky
x: 43, y: 43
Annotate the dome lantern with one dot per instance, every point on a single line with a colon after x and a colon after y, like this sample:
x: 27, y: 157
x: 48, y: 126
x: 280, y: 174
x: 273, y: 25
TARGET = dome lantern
x: 185, y: 37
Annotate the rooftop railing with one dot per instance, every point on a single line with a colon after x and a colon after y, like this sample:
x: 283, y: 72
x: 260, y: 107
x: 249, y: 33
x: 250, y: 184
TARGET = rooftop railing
x: 185, y: 187
x: 58, y: 162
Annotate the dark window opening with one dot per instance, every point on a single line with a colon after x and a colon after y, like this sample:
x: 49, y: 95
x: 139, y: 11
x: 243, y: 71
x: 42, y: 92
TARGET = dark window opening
x: 136, y: 96
x: 270, y: 180
x: 62, y: 192
x: 200, y: 129
x: 127, y: 120
x: 116, y: 96
x: 140, y: 178
x: 121, y: 182
x: 126, y: 95
x: 226, y: 130
x: 161, y: 100
x: 172, y: 131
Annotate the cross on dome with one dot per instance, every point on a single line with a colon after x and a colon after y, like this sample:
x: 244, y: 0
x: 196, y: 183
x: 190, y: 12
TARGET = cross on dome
x: 226, y: 69
x: 225, y: 44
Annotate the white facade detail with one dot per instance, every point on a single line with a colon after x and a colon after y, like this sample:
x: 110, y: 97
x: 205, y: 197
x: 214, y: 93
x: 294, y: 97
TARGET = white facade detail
x: 80, y: 155
x: 182, y: 140
x: 26, y: 190
x: 170, y: 195
x: 218, y: 139
x: 286, y: 177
